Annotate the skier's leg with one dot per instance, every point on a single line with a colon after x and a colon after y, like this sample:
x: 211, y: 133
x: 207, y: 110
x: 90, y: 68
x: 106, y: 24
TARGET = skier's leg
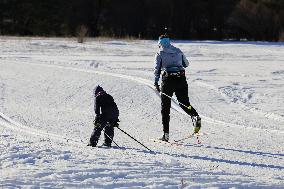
x: 166, y: 95
x: 96, y: 134
x: 108, y: 134
x: 182, y: 97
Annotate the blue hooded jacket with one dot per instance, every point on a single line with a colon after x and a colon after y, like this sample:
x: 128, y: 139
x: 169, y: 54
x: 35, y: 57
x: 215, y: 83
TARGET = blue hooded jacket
x: 168, y: 59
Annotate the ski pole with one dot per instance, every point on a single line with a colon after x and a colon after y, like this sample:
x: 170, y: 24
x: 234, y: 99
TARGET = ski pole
x: 108, y: 125
x: 113, y: 141
x: 134, y: 139
x: 188, y: 107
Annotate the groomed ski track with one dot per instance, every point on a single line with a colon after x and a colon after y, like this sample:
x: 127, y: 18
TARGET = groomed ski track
x: 11, y: 124
x: 174, y: 104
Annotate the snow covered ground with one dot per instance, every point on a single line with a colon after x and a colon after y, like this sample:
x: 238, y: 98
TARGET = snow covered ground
x: 46, y: 113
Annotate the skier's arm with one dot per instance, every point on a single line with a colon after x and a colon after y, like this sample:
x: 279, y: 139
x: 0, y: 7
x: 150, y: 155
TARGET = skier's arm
x: 97, y: 106
x: 185, y: 62
x: 158, y: 63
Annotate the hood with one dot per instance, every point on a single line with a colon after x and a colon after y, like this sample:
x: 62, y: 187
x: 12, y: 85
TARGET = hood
x: 98, y: 89
x: 168, y: 49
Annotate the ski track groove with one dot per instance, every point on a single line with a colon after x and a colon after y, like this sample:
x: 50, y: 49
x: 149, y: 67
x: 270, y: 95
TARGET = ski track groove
x: 11, y: 124
x: 149, y: 84
x: 18, y: 127
x: 21, y: 128
x: 160, y: 153
x: 2, y: 93
x: 268, y: 115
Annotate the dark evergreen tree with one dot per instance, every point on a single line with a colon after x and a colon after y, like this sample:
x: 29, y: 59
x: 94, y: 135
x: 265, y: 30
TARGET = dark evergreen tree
x: 185, y: 19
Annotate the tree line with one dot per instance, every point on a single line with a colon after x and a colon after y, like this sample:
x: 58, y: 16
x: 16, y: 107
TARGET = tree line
x: 146, y: 19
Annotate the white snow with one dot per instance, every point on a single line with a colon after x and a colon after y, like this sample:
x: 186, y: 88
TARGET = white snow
x: 46, y: 114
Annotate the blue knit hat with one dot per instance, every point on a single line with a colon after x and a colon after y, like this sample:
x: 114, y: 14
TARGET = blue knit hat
x: 164, y: 40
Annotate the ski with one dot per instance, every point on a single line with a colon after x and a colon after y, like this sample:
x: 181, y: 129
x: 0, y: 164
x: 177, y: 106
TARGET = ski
x: 179, y: 141
x: 197, y: 135
x: 165, y: 142
x: 108, y: 147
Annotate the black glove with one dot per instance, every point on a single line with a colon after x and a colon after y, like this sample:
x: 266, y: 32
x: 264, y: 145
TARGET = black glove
x: 157, y: 86
x: 116, y: 124
x: 97, y: 120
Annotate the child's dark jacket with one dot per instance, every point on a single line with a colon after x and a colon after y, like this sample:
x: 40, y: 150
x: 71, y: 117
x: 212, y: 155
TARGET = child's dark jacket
x: 104, y: 105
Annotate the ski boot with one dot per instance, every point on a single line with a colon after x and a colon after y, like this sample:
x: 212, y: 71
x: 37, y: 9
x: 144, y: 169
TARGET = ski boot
x: 165, y: 137
x: 93, y: 141
x: 92, y: 144
x: 107, y: 144
x: 197, y: 125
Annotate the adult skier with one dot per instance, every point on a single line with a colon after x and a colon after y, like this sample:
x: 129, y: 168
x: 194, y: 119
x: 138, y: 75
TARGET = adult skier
x: 171, y: 61
x: 106, y: 117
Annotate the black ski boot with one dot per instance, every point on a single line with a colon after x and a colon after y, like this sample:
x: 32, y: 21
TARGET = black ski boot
x: 197, y: 124
x: 93, y: 141
x: 107, y: 144
x: 165, y: 137
x: 92, y: 144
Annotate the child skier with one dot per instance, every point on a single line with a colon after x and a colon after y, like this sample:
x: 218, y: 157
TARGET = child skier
x: 106, y: 117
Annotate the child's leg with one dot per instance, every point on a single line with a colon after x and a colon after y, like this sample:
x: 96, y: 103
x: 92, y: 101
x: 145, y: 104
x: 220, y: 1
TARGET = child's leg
x: 109, y: 133
x: 96, y: 134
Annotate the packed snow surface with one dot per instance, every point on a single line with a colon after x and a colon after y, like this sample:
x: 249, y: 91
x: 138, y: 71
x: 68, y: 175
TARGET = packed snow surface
x: 46, y: 115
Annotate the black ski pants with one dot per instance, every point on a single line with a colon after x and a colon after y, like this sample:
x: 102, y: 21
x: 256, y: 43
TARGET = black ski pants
x: 179, y: 86
x: 108, y: 132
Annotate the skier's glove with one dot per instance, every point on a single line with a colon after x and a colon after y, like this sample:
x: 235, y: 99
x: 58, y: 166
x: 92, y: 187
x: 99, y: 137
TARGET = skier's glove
x: 116, y: 124
x: 157, y: 86
x: 97, y: 120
